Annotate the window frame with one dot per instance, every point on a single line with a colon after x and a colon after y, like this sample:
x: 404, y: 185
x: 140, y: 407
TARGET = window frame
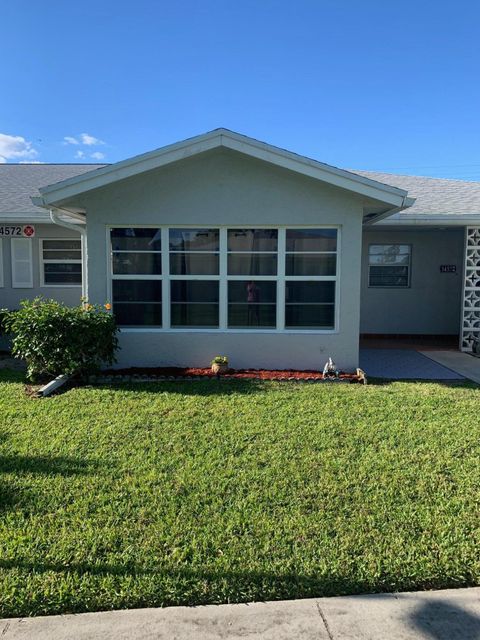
x: 223, y: 279
x: 390, y: 286
x: 43, y: 262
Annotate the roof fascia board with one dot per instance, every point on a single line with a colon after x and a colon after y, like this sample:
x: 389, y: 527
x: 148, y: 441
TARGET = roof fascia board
x: 314, y: 169
x: 125, y: 169
x: 188, y: 148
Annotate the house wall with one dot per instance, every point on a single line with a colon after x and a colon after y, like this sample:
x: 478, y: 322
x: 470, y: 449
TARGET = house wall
x: 226, y: 188
x: 432, y: 303
x: 10, y: 297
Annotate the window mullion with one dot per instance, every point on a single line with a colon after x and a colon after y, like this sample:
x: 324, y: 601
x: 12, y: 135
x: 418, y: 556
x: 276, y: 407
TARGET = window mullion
x: 282, y: 235
x: 165, y: 278
x: 223, y: 292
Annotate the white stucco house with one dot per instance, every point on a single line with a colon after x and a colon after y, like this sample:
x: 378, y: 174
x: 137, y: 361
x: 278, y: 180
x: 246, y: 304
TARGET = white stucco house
x: 221, y: 244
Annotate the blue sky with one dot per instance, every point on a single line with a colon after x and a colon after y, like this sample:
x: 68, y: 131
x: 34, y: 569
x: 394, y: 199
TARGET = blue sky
x: 373, y: 84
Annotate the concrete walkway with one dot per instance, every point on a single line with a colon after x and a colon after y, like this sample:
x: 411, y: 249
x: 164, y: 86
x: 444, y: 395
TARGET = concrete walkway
x: 463, y: 363
x: 405, y: 364
x: 436, y: 615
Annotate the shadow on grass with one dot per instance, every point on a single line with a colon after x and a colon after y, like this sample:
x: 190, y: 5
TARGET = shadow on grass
x: 10, y: 375
x: 46, y: 465
x: 263, y: 584
x: 442, y: 620
x: 208, y: 387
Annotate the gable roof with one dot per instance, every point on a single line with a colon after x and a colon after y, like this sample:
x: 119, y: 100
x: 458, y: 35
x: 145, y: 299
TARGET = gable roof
x: 388, y: 195
x: 433, y: 196
x: 19, y: 182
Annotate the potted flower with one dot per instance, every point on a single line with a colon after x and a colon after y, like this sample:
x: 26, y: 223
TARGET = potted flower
x: 219, y: 365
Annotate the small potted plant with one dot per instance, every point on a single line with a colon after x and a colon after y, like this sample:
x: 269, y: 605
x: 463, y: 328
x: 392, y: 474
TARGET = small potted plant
x: 219, y: 365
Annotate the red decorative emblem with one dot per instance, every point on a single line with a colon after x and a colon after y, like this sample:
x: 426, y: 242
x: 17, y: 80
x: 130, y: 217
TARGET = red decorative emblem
x: 28, y: 231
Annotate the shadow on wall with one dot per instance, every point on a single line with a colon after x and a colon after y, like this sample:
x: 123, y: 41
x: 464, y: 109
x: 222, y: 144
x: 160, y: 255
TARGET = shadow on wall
x: 442, y: 620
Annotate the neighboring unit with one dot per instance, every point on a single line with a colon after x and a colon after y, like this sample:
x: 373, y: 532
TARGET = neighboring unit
x: 223, y: 244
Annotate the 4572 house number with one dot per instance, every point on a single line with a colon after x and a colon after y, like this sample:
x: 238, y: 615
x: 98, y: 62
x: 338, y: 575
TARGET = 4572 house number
x: 17, y: 231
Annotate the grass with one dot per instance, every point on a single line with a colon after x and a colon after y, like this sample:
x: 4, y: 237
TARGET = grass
x: 209, y: 492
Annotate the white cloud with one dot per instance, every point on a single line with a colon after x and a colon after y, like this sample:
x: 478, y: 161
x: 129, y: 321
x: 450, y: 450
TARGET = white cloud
x: 89, y: 140
x: 31, y: 162
x: 98, y: 155
x: 15, y: 148
x: 80, y: 154
x: 70, y: 140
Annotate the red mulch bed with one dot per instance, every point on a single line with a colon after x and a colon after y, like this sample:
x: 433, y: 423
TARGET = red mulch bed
x: 262, y: 374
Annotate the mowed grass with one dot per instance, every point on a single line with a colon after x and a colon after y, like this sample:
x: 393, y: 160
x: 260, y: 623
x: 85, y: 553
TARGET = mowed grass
x: 211, y: 492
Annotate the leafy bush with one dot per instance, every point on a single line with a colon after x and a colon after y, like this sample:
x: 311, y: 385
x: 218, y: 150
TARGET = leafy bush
x: 3, y: 315
x: 221, y: 360
x: 55, y: 339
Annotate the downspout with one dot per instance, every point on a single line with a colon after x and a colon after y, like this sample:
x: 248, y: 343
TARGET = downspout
x: 83, y: 232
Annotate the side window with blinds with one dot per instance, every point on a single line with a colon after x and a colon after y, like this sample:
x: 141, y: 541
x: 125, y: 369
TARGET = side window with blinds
x: 389, y: 266
x: 22, y: 267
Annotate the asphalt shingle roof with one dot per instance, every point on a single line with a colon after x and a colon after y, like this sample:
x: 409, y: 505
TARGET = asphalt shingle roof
x: 433, y: 195
x: 18, y: 182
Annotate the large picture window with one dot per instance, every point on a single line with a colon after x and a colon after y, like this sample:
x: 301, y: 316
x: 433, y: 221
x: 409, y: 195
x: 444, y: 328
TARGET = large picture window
x: 389, y: 265
x: 242, y: 279
x: 61, y: 262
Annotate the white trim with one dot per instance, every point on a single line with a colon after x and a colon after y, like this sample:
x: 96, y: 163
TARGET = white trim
x: 228, y: 139
x: 15, y: 243
x: 2, y: 281
x: 43, y: 262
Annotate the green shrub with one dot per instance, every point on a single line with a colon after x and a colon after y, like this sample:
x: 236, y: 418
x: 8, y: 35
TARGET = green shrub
x: 55, y: 339
x: 3, y: 315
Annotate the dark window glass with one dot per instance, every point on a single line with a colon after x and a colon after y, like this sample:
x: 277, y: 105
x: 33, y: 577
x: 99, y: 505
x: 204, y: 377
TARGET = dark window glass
x: 310, y: 264
x: 310, y: 292
x: 137, y: 263
x: 137, y: 290
x: 384, y: 276
x: 128, y: 314
x: 137, y: 302
x: 66, y: 254
x: 194, y: 315
x: 135, y: 239
x: 310, y: 316
x: 199, y: 291
x: 252, y: 304
x: 194, y: 264
x: 194, y: 303
x: 252, y: 240
x: 252, y: 264
x: 194, y: 240
x: 62, y: 245
x: 311, y: 240
x: 62, y: 273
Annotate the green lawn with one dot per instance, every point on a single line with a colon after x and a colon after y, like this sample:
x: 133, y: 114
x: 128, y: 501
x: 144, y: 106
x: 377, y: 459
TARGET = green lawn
x: 206, y: 492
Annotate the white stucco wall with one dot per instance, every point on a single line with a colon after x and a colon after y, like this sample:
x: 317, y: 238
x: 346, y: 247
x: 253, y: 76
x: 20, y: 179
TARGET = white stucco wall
x: 432, y: 303
x: 224, y: 188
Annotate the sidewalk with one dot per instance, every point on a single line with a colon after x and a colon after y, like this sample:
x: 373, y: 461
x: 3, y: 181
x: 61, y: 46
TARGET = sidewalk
x: 433, y: 615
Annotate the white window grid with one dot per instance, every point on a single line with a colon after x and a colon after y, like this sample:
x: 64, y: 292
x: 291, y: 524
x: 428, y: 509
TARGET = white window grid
x: 223, y: 278
x: 43, y: 262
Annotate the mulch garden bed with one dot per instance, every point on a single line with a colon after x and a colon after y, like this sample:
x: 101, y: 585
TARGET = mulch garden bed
x: 192, y: 373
